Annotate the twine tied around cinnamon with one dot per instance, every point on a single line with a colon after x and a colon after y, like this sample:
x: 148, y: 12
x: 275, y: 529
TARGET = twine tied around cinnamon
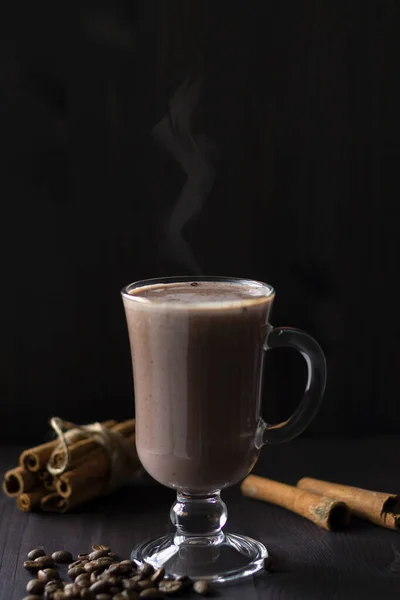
x: 121, y: 454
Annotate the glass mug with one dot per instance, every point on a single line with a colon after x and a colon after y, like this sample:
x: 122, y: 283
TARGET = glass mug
x: 197, y: 348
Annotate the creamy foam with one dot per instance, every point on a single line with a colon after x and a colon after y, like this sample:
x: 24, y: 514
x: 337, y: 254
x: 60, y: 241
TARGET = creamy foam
x: 202, y: 292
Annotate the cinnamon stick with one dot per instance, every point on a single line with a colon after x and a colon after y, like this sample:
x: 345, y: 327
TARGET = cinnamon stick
x: 326, y: 512
x: 377, y: 507
x: 35, y: 459
x: 48, y: 481
x: 30, y: 500
x: 56, y: 503
x: 95, y: 468
x: 18, y: 480
x: 83, y: 447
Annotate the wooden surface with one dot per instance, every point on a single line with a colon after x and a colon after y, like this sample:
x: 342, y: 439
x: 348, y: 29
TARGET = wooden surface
x: 310, y: 564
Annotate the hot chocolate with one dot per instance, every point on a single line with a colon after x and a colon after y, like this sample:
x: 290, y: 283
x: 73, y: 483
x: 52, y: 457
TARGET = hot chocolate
x: 197, y: 350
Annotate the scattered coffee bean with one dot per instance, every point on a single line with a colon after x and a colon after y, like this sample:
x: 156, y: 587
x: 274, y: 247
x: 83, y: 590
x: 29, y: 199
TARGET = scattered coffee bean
x: 74, y: 572
x: 36, y: 553
x: 202, y: 588
x: 83, y: 580
x: 97, y: 554
x: 47, y: 575
x: 103, y: 597
x: 31, y: 565
x: 72, y: 590
x: 158, y: 575
x: 59, y: 595
x: 62, y: 556
x: 35, y: 586
x: 146, y: 569
x: 151, y: 593
x: 170, y: 588
x: 45, y: 562
x: 33, y: 597
x: 144, y: 584
x: 52, y: 586
x: 86, y: 594
x: 99, y: 586
x: 83, y: 555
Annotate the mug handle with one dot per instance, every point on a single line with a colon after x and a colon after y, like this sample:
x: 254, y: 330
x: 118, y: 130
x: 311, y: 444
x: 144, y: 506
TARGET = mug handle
x: 312, y: 353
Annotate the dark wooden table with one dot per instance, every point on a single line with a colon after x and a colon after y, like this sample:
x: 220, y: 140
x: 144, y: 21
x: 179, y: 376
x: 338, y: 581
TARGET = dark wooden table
x: 361, y: 562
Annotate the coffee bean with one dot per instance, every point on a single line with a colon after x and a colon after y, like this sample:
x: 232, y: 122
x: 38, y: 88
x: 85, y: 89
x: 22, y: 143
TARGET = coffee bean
x: 62, y: 556
x: 100, y: 586
x: 83, y: 555
x: 59, y: 595
x: 91, y: 566
x: 115, y: 589
x: 146, y: 569
x: 45, y: 562
x: 35, y: 586
x: 48, y: 575
x: 202, y: 588
x: 94, y: 575
x: 33, y: 597
x: 170, y: 588
x: 97, y: 554
x: 151, y: 593
x: 130, y: 584
x: 158, y: 575
x: 83, y: 580
x: 74, y: 572
x: 77, y: 563
x: 185, y: 579
x: 86, y: 594
x: 96, y: 547
x: 101, y: 564
x: 144, y: 584
x: 113, y: 569
x: 111, y: 579
x: 129, y: 595
x: 72, y: 590
x: 113, y: 555
x: 103, y: 597
x: 36, y: 553
x: 131, y: 563
x: 31, y: 565
x: 52, y: 586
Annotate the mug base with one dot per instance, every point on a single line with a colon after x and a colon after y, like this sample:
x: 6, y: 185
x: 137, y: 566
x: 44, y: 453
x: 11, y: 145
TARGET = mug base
x: 228, y: 558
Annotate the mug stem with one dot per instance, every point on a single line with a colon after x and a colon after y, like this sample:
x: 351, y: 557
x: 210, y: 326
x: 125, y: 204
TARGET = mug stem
x: 199, y: 519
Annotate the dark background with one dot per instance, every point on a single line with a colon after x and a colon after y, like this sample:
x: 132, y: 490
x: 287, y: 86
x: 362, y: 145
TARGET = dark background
x: 300, y: 107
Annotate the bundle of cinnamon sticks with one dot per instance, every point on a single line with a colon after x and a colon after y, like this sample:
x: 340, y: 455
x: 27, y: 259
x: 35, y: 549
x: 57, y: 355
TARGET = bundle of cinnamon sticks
x: 328, y: 505
x: 62, y: 474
